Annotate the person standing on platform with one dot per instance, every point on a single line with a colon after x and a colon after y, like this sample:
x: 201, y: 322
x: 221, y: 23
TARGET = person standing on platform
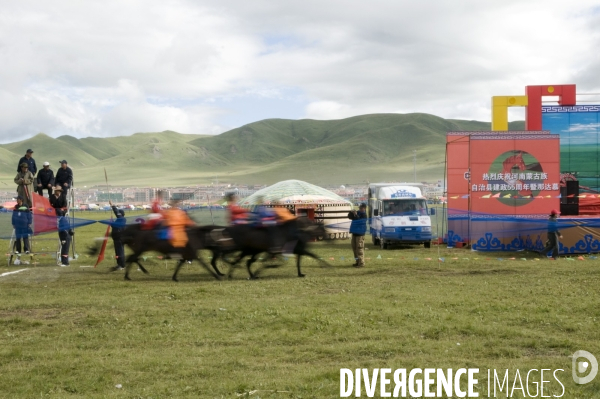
x: 553, y: 235
x: 64, y: 177
x: 28, y: 159
x: 24, y: 180
x: 117, y: 230
x: 45, y: 180
x: 358, y: 229
x: 21, y: 221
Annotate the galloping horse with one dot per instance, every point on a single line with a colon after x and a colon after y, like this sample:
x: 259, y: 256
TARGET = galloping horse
x: 252, y: 241
x: 141, y: 241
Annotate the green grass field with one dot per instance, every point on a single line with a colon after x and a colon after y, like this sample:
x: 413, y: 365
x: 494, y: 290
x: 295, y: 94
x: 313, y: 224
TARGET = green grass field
x: 85, y: 332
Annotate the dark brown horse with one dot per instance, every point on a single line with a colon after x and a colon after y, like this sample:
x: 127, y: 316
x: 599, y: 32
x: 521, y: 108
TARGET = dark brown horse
x: 141, y: 241
x: 252, y: 241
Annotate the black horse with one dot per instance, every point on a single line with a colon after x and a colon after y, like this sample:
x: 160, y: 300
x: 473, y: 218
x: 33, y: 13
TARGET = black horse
x: 252, y: 241
x: 140, y: 241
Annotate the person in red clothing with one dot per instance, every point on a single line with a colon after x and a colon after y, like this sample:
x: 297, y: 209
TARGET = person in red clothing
x: 237, y: 214
x: 156, y: 217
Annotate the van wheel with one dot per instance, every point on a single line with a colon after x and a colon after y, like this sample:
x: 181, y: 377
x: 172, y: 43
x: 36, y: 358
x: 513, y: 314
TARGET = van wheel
x: 427, y: 244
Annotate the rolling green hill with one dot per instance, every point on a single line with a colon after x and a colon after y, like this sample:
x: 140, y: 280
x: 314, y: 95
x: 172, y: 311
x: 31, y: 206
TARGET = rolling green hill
x: 376, y: 147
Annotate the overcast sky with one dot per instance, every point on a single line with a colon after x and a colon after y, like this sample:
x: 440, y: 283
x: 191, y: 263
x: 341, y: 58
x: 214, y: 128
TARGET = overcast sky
x: 111, y: 68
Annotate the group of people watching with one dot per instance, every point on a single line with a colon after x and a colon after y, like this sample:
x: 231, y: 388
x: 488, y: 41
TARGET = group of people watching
x: 29, y: 181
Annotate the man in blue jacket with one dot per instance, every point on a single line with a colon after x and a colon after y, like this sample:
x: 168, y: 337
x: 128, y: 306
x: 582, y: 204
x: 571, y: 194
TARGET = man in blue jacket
x: 28, y: 159
x: 117, y: 230
x: 358, y: 229
x: 21, y: 221
x: 553, y: 235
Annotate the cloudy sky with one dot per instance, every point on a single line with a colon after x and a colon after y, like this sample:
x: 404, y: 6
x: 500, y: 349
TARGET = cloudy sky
x: 110, y: 68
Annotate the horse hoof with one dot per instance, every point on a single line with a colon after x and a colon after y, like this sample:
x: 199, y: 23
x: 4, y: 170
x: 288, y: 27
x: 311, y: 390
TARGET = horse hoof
x: 301, y: 275
x: 127, y: 278
x: 174, y: 279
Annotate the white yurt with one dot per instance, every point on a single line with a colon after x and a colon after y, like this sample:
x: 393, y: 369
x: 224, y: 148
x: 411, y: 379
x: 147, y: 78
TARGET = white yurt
x: 306, y: 200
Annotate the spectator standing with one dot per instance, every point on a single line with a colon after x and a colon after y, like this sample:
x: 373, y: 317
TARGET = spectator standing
x: 553, y: 235
x: 21, y: 221
x: 45, y: 180
x: 24, y: 180
x: 117, y: 230
x: 27, y: 158
x: 58, y: 201
x: 358, y: 229
x: 64, y: 235
x: 64, y: 177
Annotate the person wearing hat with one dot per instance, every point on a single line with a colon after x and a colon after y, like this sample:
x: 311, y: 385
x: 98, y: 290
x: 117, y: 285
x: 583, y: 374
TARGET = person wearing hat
x: 115, y: 234
x: 27, y: 158
x: 21, y: 222
x: 58, y: 201
x: 45, y: 180
x: 553, y: 235
x: 64, y: 177
x: 358, y: 229
x: 24, y: 181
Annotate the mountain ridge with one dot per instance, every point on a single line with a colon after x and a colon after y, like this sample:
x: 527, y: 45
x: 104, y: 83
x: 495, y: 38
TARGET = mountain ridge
x: 351, y: 150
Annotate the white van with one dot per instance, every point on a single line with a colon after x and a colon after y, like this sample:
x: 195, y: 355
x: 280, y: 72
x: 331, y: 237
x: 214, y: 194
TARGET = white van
x: 398, y: 214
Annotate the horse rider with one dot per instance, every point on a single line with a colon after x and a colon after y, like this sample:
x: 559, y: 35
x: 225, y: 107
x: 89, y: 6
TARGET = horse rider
x: 156, y: 216
x: 237, y: 214
x: 24, y: 180
x: 284, y: 215
x: 176, y: 219
x: 267, y: 218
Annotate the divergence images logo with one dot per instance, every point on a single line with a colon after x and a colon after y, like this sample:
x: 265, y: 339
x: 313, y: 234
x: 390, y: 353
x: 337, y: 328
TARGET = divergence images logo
x: 517, y: 172
x: 582, y: 366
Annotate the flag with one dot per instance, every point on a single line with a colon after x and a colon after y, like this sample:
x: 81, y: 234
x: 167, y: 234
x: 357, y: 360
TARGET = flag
x: 496, y: 195
x: 44, y: 215
x: 486, y: 196
x: 101, y: 254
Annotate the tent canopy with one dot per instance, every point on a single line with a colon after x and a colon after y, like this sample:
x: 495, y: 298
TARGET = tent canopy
x: 293, y: 191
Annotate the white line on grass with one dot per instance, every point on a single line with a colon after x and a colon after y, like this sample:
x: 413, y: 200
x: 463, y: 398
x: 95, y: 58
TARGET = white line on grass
x: 17, y: 271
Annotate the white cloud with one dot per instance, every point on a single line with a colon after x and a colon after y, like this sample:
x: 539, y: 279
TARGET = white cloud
x: 119, y: 67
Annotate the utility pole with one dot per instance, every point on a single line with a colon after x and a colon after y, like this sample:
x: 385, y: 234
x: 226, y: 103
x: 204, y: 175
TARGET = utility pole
x: 415, y: 165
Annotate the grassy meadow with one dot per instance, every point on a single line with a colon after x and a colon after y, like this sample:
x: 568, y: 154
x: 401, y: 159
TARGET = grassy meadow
x: 85, y: 332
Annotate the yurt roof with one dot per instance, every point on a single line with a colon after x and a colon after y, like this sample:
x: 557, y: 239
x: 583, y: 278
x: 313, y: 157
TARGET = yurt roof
x: 293, y: 192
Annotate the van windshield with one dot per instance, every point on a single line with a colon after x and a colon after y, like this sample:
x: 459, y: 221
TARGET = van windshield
x: 404, y: 207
